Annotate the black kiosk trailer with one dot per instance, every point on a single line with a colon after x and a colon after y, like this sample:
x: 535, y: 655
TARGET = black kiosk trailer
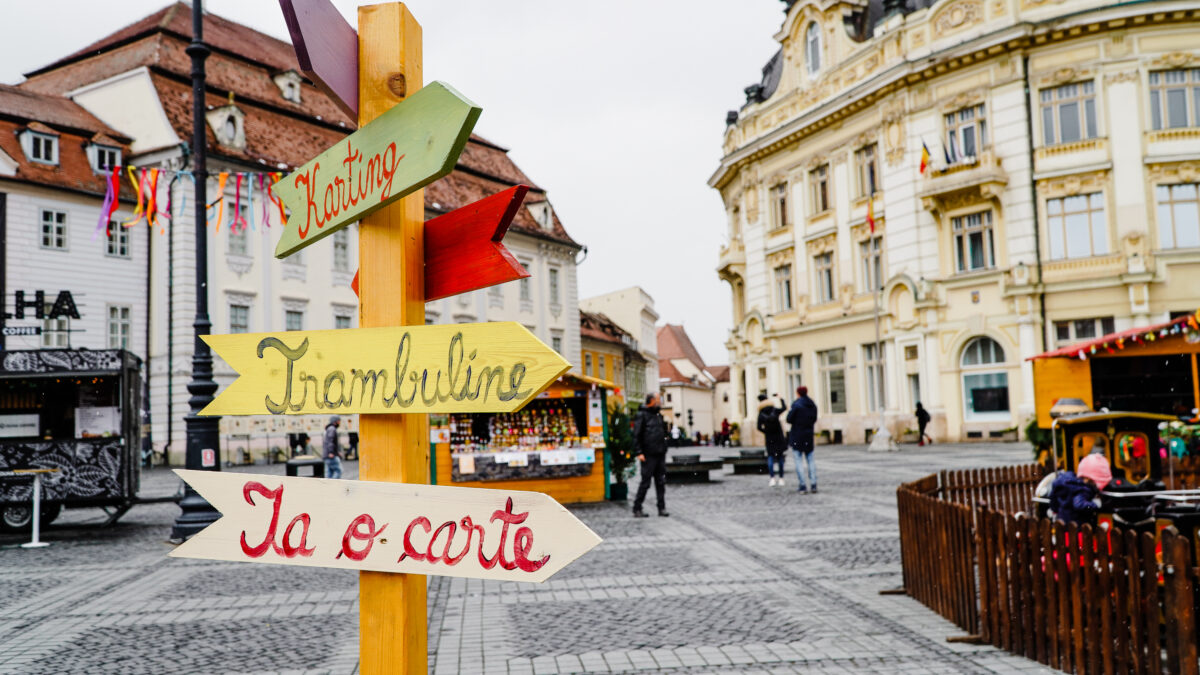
x: 77, y: 412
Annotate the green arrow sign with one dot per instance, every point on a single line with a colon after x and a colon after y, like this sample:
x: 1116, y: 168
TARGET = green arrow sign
x: 403, y: 150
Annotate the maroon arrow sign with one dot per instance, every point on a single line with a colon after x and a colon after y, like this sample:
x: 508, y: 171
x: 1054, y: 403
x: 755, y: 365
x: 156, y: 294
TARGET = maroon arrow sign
x: 462, y: 248
x: 327, y: 49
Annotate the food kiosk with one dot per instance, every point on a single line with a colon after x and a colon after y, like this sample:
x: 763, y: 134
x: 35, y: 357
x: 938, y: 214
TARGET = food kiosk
x: 76, y: 412
x: 554, y: 445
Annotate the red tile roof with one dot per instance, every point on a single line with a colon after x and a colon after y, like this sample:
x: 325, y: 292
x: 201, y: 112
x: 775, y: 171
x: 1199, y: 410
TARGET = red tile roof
x: 674, y: 343
x: 1132, y: 337
x: 75, y: 128
x: 719, y: 373
x: 597, y: 326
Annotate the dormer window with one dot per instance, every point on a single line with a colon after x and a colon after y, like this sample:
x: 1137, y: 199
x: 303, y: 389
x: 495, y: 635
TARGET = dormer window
x: 227, y: 125
x: 104, y: 157
x: 812, y: 48
x: 543, y: 214
x: 289, y: 85
x: 40, y: 147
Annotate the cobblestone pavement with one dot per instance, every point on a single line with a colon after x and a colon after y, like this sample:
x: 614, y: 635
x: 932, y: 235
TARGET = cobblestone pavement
x: 742, y: 578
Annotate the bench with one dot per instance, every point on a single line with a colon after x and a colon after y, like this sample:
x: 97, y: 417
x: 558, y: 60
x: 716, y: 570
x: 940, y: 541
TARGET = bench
x: 317, y: 464
x: 691, y: 469
x: 748, y: 461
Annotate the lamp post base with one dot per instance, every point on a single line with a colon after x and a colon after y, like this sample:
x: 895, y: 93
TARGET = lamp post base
x: 196, y: 515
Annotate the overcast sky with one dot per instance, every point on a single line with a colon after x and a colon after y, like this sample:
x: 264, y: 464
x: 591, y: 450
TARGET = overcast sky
x: 616, y: 108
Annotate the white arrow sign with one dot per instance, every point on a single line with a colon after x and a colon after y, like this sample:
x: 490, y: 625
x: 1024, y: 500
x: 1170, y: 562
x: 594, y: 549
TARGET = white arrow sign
x: 385, y: 527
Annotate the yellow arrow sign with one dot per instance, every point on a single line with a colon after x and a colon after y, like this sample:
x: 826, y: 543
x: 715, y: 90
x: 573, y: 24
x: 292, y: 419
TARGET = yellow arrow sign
x: 482, y: 367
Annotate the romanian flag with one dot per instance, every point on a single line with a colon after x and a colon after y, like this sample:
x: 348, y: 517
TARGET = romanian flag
x: 871, y: 212
x: 924, y: 157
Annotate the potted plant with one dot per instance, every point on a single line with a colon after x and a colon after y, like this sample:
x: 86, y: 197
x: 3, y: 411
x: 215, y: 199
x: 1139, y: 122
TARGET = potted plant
x: 621, y: 458
x: 823, y: 437
x: 735, y: 435
x: 910, y: 436
x: 1009, y: 435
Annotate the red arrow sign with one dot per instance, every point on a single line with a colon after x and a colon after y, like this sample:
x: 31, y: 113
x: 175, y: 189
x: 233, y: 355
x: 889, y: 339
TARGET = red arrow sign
x: 463, y: 252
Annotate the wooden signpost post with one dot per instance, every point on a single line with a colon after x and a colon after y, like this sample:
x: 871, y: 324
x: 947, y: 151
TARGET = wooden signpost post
x: 488, y: 367
x: 391, y: 525
x: 386, y: 527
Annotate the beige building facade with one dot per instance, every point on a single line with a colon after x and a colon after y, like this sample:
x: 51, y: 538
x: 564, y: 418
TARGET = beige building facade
x: 1060, y: 201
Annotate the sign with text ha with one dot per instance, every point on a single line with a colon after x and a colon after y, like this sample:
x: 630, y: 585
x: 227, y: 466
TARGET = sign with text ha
x: 481, y: 367
x: 508, y: 535
x: 406, y: 148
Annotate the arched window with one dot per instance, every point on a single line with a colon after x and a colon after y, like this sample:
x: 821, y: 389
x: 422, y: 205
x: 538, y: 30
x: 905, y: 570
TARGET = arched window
x: 812, y: 48
x: 985, y: 386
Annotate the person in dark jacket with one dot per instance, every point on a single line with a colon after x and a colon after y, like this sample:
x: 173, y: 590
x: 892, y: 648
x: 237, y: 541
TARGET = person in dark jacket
x: 650, y: 442
x: 922, y: 422
x: 803, y: 417
x: 333, y: 453
x: 1073, y: 495
x: 769, y: 411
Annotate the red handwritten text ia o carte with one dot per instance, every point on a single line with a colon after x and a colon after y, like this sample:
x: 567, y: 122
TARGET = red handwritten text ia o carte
x: 372, y: 182
x: 449, y: 543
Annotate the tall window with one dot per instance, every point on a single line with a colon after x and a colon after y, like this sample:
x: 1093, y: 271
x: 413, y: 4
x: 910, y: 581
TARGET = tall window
x: 779, y: 194
x: 107, y: 158
x: 524, y: 285
x: 43, y: 148
x: 1066, y: 332
x: 117, y: 245
x: 819, y: 179
x: 341, y: 321
x: 833, y: 378
x: 239, y: 241
x: 873, y: 369
x: 54, y: 229
x: 293, y: 320
x: 55, y: 332
x: 985, y: 387
x: 823, y: 267
x: 556, y: 340
x: 239, y: 318
x: 341, y: 250
x: 119, y: 326
x: 871, y: 252
x: 966, y: 132
x: 812, y: 48
x: 587, y: 364
x: 866, y: 165
x: 554, y: 293
x: 973, y: 246
x: 1077, y: 227
x: 1175, y: 99
x: 783, y: 288
x: 600, y: 367
x: 1178, y: 215
x: 793, y: 371
x: 1069, y: 113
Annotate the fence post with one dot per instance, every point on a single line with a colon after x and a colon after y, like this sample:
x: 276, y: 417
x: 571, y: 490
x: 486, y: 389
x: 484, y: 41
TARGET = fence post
x: 1178, y: 605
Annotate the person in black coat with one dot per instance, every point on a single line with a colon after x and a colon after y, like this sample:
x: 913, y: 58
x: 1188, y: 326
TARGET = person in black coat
x: 803, y: 417
x: 650, y: 442
x: 769, y: 411
x: 922, y: 422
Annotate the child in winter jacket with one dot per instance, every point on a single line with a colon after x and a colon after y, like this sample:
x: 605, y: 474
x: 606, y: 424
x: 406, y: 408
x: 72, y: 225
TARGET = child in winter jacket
x: 1073, y: 497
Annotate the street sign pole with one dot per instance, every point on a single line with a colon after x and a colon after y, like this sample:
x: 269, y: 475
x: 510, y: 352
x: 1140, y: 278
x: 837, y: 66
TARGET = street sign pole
x: 394, y: 448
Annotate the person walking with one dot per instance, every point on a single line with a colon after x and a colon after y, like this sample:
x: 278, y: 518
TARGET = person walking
x: 922, y: 422
x: 725, y: 432
x: 650, y: 442
x: 769, y: 411
x: 803, y: 417
x: 333, y: 453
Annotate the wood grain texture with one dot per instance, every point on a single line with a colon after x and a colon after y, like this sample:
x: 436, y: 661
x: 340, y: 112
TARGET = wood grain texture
x: 392, y: 610
x: 464, y: 250
x: 404, y: 149
x: 417, y: 529
x: 327, y: 49
x: 482, y: 367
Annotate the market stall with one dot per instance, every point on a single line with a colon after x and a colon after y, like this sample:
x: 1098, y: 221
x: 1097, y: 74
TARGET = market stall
x: 554, y: 445
x: 1150, y: 369
x: 75, y: 411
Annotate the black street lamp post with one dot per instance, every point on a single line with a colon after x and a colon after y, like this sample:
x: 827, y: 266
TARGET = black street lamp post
x: 203, y: 436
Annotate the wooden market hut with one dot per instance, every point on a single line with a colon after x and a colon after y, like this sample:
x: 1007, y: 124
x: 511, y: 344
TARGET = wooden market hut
x: 1148, y: 369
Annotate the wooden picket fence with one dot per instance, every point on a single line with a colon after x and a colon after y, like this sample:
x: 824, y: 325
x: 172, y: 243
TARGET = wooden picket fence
x: 1075, y: 599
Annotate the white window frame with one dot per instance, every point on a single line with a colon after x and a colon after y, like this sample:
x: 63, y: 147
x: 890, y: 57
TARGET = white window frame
x: 1171, y: 209
x: 103, y: 152
x: 819, y: 181
x: 233, y: 308
x: 552, y: 281
x: 870, y: 251
x: 55, y: 332
x: 812, y: 48
x: 866, y: 168
x: 41, y: 145
x: 556, y: 340
x: 874, y: 366
x: 779, y: 202
x: 828, y: 368
x: 1070, y: 331
x: 117, y: 242
x: 793, y: 372
x: 962, y: 229
x: 1187, y: 84
x: 984, y: 369
x: 341, y: 250
x: 966, y: 126
x: 1087, y: 115
x: 1063, y: 213
x: 288, y: 314
x: 342, y: 318
x: 783, y: 288
x: 120, y: 326
x: 57, y: 232
x: 823, y: 268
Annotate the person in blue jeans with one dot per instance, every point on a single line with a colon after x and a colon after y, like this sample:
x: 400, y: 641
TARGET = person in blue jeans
x: 803, y: 417
x: 333, y: 453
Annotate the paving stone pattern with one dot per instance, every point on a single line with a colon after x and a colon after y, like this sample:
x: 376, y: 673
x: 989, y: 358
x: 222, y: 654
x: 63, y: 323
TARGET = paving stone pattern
x: 742, y: 578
